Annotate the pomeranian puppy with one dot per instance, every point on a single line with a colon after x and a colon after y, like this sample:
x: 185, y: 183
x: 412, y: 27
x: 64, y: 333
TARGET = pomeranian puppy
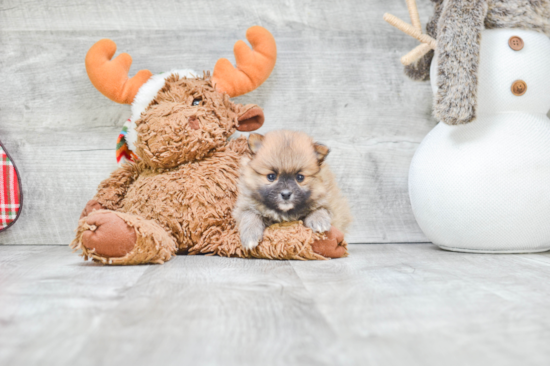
x: 287, y: 179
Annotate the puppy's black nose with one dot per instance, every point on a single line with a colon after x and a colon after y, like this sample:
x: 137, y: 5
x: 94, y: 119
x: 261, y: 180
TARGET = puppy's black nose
x: 286, y: 194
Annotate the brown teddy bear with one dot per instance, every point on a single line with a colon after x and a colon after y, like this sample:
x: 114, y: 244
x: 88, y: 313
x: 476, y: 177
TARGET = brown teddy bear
x: 177, y: 197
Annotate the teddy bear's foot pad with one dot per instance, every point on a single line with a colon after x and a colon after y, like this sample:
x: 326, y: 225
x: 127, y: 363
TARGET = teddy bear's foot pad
x: 108, y: 235
x: 333, y: 247
x: 118, y: 238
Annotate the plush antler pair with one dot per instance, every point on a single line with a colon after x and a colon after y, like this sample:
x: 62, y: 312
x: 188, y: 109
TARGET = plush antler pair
x: 110, y: 76
x: 414, y: 30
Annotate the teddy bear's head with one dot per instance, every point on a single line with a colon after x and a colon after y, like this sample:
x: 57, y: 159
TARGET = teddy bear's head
x: 187, y: 120
x: 178, y: 116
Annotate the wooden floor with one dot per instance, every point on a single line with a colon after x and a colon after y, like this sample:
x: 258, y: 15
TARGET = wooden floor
x: 389, y: 304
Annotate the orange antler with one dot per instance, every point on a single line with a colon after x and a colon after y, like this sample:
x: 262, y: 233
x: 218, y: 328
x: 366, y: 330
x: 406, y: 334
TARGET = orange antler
x: 253, y: 65
x: 415, y: 30
x: 110, y: 77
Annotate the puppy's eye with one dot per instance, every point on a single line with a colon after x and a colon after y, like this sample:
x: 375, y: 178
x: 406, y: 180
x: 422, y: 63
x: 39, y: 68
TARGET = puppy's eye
x: 271, y: 177
x: 299, y: 178
x: 196, y: 102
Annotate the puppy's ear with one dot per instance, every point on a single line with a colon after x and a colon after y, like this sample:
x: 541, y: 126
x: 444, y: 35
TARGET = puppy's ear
x: 255, y: 141
x: 321, y: 151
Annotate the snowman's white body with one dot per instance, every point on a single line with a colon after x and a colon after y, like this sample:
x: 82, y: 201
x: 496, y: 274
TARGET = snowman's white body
x: 485, y: 186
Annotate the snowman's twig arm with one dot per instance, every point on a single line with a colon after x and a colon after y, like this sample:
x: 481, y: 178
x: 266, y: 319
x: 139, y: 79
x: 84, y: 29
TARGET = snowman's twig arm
x: 409, y: 29
x: 428, y: 43
x: 416, y: 54
x: 413, y: 12
x: 420, y: 69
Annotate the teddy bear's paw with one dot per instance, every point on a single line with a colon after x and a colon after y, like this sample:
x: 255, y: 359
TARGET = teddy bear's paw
x: 333, y: 247
x: 108, y: 235
x: 92, y: 205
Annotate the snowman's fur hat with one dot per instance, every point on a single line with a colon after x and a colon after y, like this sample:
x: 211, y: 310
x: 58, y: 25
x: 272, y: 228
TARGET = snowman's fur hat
x: 456, y: 26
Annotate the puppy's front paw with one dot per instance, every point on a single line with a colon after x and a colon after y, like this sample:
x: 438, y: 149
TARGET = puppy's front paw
x: 251, y: 229
x: 251, y: 237
x: 318, y: 221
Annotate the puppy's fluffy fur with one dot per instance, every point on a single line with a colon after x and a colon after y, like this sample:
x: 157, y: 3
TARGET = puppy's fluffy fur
x: 286, y: 179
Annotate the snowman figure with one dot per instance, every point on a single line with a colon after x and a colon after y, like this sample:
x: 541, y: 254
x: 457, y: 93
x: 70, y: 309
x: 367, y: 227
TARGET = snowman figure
x: 480, y: 180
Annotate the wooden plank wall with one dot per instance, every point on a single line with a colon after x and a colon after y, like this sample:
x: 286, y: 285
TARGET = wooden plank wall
x: 338, y: 77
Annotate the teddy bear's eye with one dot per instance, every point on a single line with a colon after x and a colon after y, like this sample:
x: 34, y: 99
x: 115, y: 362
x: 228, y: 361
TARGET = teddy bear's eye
x: 196, y: 101
x: 271, y: 177
x: 299, y: 178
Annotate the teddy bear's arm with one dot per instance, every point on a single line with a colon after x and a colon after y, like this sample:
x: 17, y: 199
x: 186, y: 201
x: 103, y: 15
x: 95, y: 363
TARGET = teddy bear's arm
x: 239, y: 145
x: 112, y: 190
x: 295, y: 241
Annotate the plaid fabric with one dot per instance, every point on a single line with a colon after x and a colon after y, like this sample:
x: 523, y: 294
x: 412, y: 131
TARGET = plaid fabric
x: 9, y: 191
x: 123, y: 152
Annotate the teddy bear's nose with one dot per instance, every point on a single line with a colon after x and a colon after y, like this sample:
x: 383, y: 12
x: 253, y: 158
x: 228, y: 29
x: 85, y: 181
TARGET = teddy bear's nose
x: 194, y: 122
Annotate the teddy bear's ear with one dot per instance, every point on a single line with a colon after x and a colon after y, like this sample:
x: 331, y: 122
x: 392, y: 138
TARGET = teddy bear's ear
x: 251, y: 117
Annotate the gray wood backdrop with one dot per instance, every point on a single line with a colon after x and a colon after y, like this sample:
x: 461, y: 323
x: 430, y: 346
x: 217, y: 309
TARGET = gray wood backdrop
x: 338, y: 77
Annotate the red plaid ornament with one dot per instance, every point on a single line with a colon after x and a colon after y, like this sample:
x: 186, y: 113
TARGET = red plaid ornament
x: 10, y: 192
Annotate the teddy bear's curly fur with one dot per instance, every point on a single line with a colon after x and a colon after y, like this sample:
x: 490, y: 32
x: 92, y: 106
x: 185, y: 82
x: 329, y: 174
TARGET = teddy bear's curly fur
x: 179, y: 196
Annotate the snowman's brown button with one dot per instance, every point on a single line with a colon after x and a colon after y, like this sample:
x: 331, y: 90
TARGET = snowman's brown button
x: 519, y: 87
x: 515, y: 43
